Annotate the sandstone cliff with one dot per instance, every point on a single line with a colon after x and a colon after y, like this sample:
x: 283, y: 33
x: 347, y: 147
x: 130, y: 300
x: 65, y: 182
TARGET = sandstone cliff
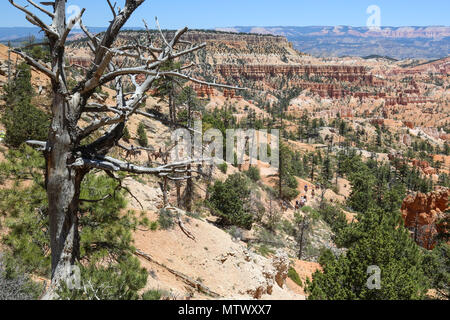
x: 423, y: 214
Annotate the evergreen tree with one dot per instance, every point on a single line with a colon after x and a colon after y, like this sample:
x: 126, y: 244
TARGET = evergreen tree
x: 142, y: 135
x: 106, y: 259
x: 362, y: 196
x: 22, y: 120
x: 230, y: 201
x: 379, y: 240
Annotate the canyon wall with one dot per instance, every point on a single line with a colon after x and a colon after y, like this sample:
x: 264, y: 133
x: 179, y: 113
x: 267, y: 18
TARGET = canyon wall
x: 258, y: 72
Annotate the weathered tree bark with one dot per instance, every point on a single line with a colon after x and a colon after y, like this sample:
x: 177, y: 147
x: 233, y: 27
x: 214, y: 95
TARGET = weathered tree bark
x: 63, y: 189
x: 189, y: 192
x: 208, y: 180
x: 301, y: 241
x: 178, y: 187
x: 9, y: 62
x: 165, y: 200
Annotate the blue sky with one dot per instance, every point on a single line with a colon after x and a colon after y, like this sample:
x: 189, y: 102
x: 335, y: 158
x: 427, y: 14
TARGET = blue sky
x: 224, y: 13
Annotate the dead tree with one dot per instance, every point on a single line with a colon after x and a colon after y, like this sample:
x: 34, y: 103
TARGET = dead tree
x: 9, y: 62
x: 303, y: 225
x: 68, y: 160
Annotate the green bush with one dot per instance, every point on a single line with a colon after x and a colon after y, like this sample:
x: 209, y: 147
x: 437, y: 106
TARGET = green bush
x: 229, y: 200
x: 223, y: 167
x: 264, y: 250
x: 25, y: 122
x: 126, y: 134
x: 253, y: 174
x: 326, y: 256
x: 154, y: 226
x: 22, y: 120
x: 142, y: 135
x: 289, y: 193
x: 152, y: 295
x: 165, y: 219
x: 293, y: 275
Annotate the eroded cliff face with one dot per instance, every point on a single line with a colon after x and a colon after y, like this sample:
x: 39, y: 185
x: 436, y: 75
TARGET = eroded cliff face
x: 269, y: 63
x: 341, y: 73
x: 423, y: 215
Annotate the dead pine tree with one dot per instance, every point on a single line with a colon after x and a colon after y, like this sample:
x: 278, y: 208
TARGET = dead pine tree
x: 9, y: 62
x: 303, y: 225
x: 68, y: 160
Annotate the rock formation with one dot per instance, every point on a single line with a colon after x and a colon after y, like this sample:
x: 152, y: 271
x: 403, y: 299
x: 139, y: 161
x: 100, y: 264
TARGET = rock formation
x: 258, y: 72
x: 423, y: 214
x: 281, y: 264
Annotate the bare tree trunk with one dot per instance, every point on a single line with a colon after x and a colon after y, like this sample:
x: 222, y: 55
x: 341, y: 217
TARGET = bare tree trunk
x: 208, y: 180
x: 63, y: 191
x: 172, y: 108
x: 164, y: 191
x: 9, y: 62
x: 280, y: 169
x: 302, y: 233
x: 189, y: 191
x: 178, y: 186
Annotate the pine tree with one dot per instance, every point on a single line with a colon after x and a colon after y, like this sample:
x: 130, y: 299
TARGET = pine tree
x: 109, y: 269
x: 230, y: 201
x: 142, y: 135
x: 22, y: 120
x: 377, y: 241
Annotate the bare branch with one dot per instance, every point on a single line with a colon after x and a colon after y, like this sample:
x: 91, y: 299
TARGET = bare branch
x: 105, y: 121
x: 115, y: 165
x: 41, y: 144
x: 91, y: 37
x: 133, y: 148
x: 71, y: 24
x: 36, y: 20
x: 50, y: 14
x: 113, y: 10
x: 38, y: 66
x: 162, y: 35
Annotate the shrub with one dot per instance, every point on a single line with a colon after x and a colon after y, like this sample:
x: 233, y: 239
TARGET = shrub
x: 25, y: 122
x: 289, y: 193
x: 253, y: 174
x: 166, y: 219
x: 223, y: 167
x: 22, y: 120
x: 152, y: 295
x: 126, y: 134
x: 229, y: 200
x: 264, y: 250
x: 326, y: 256
x: 121, y: 281
x: 142, y: 135
x: 293, y: 275
x: 14, y: 283
x: 154, y: 225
